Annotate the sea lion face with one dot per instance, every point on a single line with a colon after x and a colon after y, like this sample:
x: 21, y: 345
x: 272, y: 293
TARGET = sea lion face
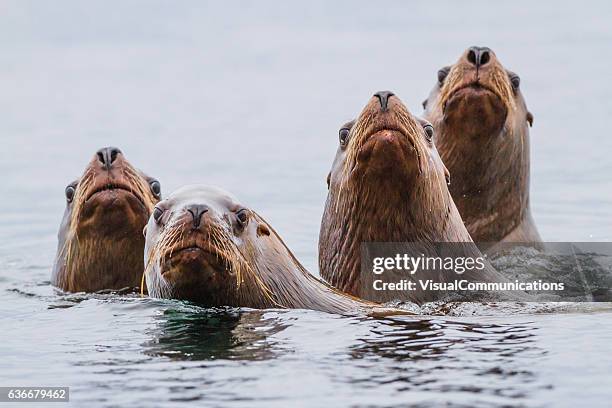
x: 111, y: 195
x: 477, y: 97
x: 385, y: 143
x: 106, y: 209
x: 195, y: 245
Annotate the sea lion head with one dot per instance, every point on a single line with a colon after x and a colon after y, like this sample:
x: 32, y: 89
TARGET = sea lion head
x: 204, y: 245
x: 482, y: 133
x: 387, y: 151
x: 477, y: 97
x: 387, y: 184
x: 101, y: 232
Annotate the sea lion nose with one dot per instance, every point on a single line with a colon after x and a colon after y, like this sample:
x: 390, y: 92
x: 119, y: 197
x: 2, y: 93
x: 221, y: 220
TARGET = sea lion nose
x: 107, y: 156
x: 383, y: 98
x: 479, y: 56
x: 197, y: 211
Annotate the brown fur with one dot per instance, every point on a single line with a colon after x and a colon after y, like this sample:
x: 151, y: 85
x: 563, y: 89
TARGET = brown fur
x: 100, y: 240
x: 233, y: 265
x: 482, y: 135
x: 387, y: 184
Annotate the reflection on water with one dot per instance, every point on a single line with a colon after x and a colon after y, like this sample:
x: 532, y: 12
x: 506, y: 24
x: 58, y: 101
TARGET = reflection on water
x: 213, y: 334
x: 432, y: 339
x: 438, y: 356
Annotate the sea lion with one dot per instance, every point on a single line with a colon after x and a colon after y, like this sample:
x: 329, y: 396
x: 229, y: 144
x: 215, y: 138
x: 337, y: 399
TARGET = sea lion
x: 100, y: 240
x: 205, y: 246
x: 388, y: 184
x: 482, y: 134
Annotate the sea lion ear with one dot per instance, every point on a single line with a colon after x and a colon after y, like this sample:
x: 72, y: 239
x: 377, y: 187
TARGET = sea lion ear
x: 328, y: 179
x: 262, y: 229
x: 144, y: 231
x: 424, y: 104
x: 530, y: 119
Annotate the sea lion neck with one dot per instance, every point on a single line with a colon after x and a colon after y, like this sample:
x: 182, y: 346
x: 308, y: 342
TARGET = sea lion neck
x: 94, y: 264
x: 393, y: 207
x: 384, y: 213
x: 283, y: 274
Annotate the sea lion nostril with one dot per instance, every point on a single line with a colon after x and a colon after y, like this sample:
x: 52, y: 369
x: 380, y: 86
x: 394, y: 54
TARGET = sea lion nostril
x: 383, y: 98
x: 479, y: 56
x: 484, y: 57
x: 113, y: 153
x: 107, y: 155
x: 196, y: 212
x: 472, y: 55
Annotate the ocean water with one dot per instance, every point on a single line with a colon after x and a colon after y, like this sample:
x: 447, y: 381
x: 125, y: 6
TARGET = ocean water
x: 249, y: 96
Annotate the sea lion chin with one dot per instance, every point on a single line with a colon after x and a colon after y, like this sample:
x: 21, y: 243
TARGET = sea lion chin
x: 475, y: 112
x: 386, y: 152
x: 482, y: 133
x: 205, y: 246
x: 197, y: 273
x: 100, y: 238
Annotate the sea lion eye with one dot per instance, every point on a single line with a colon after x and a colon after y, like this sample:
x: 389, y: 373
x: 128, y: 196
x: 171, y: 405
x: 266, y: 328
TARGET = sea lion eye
x: 343, y: 136
x: 429, y: 132
x: 155, y: 188
x: 442, y: 74
x: 70, y: 190
x: 243, y: 217
x: 157, y: 214
x: 516, y: 81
